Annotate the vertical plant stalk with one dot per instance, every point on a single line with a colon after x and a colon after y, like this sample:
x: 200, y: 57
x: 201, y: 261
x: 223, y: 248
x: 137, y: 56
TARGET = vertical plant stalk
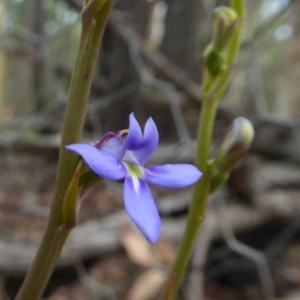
x: 196, y: 215
x: 94, y: 19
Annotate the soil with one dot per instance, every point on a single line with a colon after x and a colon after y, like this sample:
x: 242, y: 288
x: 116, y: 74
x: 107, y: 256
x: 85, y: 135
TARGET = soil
x: 26, y: 186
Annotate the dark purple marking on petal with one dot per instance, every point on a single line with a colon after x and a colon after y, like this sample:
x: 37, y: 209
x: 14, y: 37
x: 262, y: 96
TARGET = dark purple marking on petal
x: 149, y: 142
x: 173, y: 176
x: 141, y: 208
x: 103, y: 165
x: 105, y: 138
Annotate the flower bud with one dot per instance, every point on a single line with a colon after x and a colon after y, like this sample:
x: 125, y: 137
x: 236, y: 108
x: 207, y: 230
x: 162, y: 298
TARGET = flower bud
x: 226, y: 22
x: 233, y: 148
x: 214, y: 61
x: 240, y: 135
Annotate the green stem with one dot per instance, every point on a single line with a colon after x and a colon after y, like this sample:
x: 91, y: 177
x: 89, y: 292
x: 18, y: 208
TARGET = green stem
x: 239, y: 7
x: 197, y: 209
x: 57, y: 232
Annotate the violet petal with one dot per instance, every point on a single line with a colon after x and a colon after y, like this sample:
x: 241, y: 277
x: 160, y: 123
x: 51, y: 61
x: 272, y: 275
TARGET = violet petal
x: 103, y: 165
x: 114, y: 148
x: 172, y: 176
x: 134, y: 137
x: 141, y: 208
x: 149, y: 142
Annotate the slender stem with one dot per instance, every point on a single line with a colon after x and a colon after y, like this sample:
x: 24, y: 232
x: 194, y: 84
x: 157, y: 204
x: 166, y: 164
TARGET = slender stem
x: 239, y: 7
x: 57, y: 232
x: 212, y: 92
x: 197, y: 207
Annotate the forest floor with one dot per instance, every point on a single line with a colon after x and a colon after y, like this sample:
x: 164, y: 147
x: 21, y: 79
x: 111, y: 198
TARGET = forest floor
x: 130, y: 269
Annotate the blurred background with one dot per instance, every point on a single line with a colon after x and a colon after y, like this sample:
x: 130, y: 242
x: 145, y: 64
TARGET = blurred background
x: 150, y: 64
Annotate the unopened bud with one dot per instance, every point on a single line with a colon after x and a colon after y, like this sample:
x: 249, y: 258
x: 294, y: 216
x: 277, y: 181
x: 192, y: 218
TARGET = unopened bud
x: 214, y: 61
x: 235, y: 145
x: 226, y: 21
x: 233, y: 148
x: 242, y: 132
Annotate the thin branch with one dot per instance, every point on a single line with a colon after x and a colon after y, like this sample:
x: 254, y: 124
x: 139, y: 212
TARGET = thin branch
x: 252, y: 254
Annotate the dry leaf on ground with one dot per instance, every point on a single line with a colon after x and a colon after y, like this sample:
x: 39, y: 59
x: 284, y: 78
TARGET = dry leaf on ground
x: 147, y: 285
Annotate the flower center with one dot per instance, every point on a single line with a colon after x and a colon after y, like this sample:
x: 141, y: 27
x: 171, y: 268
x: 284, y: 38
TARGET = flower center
x: 135, y: 172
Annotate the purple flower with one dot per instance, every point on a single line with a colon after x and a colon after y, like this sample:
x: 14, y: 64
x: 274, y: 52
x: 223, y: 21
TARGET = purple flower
x: 117, y: 156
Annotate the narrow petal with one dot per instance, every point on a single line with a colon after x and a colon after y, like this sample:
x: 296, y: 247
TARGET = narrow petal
x: 149, y: 142
x: 103, y: 165
x: 134, y: 137
x: 141, y: 208
x: 173, y: 176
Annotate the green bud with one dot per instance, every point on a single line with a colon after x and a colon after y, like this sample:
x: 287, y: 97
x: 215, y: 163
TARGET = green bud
x: 214, y: 61
x: 226, y: 21
x: 235, y: 145
x: 242, y: 132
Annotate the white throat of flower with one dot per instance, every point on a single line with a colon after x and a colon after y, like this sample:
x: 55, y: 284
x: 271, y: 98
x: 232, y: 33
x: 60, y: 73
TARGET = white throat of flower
x: 135, y: 171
